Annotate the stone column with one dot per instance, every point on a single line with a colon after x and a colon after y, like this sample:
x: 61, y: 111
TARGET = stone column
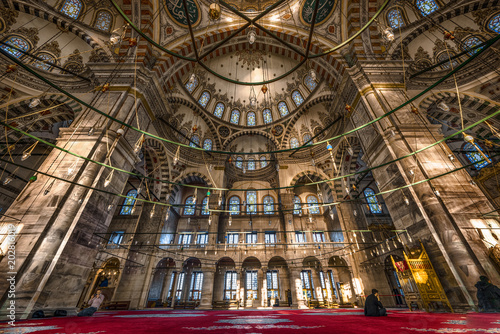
x: 262, y: 286
x: 208, y: 288
x: 296, y: 288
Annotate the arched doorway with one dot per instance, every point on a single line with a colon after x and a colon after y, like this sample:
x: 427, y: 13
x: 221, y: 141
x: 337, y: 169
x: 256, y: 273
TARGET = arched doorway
x: 159, y: 289
x: 278, y: 283
x: 339, y: 280
x: 189, y: 284
x: 392, y: 278
x: 312, y: 279
x: 253, y: 281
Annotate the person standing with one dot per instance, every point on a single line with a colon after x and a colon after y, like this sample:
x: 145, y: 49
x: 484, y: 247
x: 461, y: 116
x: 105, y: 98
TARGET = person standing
x: 94, y: 303
x: 373, y: 306
x: 488, y: 295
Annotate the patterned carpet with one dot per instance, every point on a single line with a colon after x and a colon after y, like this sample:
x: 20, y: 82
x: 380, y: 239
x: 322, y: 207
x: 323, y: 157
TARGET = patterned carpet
x: 261, y: 321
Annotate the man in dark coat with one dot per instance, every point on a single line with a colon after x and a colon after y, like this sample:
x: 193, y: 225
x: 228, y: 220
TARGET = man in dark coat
x: 373, y: 306
x: 488, y: 295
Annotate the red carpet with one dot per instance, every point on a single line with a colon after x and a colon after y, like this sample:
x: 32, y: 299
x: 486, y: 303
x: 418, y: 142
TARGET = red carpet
x: 261, y: 321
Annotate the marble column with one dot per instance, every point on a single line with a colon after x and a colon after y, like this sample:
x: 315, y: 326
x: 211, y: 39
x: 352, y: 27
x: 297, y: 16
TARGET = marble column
x: 208, y: 288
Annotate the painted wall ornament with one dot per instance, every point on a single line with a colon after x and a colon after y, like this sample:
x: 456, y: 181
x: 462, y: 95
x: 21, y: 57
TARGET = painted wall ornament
x: 325, y: 10
x: 175, y: 10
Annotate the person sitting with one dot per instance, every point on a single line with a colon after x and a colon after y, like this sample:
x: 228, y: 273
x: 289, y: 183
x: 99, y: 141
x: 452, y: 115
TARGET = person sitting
x: 94, y: 303
x: 373, y: 306
x: 488, y: 295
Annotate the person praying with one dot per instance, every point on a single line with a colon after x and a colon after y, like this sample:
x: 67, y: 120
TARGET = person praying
x: 373, y: 306
x: 94, y: 303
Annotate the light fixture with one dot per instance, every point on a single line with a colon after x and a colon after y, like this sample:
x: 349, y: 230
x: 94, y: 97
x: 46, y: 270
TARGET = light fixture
x: 195, y: 195
x: 91, y: 131
x: 472, y: 183
x: 214, y: 11
x: 177, y: 155
x: 437, y: 193
x: 252, y: 36
x: 139, y: 143
x: 230, y: 220
x: 332, y: 214
x: 167, y: 215
x: 210, y: 220
x: 388, y: 34
x: 34, y: 103
x: 320, y: 194
x: 252, y: 98
x: 411, y: 172
x: 189, y: 220
x: 133, y: 208
x: 114, y: 38
x: 110, y: 207
x: 8, y: 180
x: 451, y: 157
x: 277, y: 167
x: 120, y: 132
x: 152, y: 213
x: 407, y: 201
x: 108, y: 179
x: 355, y: 212
x: 25, y: 156
x: 443, y: 106
x: 71, y: 169
x: 350, y: 151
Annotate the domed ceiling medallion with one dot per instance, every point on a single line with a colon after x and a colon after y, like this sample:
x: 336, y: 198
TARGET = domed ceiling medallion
x: 325, y: 10
x: 175, y: 10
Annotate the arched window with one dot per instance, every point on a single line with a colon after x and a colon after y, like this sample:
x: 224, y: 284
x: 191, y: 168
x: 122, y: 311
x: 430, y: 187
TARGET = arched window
x: 251, y: 119
x: 103, y: 20
x: 283, y: 108
x: 251, y: 201
x: 307, y: 139
x: 19, y: 43
x: 443, y: 56
x: 297, y: 98
x: 268, y: 205
x: 190, y: 206
x: 192, y: 84
x: 312, y: 204
x: 475, y: 157
x: 219, y: 109
x: 427, y: 6
x: 494, y: 23
x: 239, y: 162
x: 128, y: 203
x: 207, y: 144
x: 395, y: 18
x: 44, y: 63
x: 72, y: 8
x: 372, y: 201
x: 234, y: 205
x: 471, y: 42
x: 251, y: 164
x: 267, y: 116
x: 309, y: 82
x: 235, y: 116
x: 204, y: 99
x: 204, y: 207
x: 294, y: 143
x: 263, y: 161
x: 297, y: 207
x: 195, y: 141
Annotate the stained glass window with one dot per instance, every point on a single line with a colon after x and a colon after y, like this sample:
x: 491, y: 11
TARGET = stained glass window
x: 471, y: 42
x: 219, y: 109
x: 282, y: 107
x: 72, y: 8
x: 204, y: 207
x: 307, y: 139
x: 207, y: 144
x: 475, y: 157
x: 294, y: 143
x: 263, y: 161
x: 310, y: 82
x: 443, y: 57
x: 128, y: 203
x: 251, y: 201
x: 43, y: 64
x: 239, y: 162
x: 372, y: 201
x: 267, y: 116
x: 251, y: 119
x: 190, y: 206
x: 204, y: 99
x: 268, y: 205
x: 235, y: 116
x: 427, y: 6
x: 297, y: 207
x: 17, y: 42
x: 395, y: 18
x: 297, y: 98
x: 192, y: 84
x: 312, y: 203
x: 195, y: 141
x: 103, y: 20
x: 494, y: 23
x: 234, y: 205
x: 251, y: 164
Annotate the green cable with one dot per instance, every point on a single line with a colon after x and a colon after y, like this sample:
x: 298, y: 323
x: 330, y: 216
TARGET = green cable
x: 18, y: 62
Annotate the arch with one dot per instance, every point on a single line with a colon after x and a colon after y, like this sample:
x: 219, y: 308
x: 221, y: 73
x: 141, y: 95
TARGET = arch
x: 165, y: 263
x: 294, y: 143
x: 395, y: 18
x: 18, y: 42
x: 251, y: 262
x: 283, y: 108
x: 44, y: 63
x: 263, y: 161
x: 267, y: 116
x: 193, y: 177
x: 103, y: 20
x: 297, y: 205
x: 226, y: 262
x: 277, y: 261
x: 426, y: 7
x: 219, y: 109
x: 297, y: 98
x: 494, y: 23
x: 312, y: 262
x: 251, y: 164
x: 72, y: 8
x: 337, y: 261
x: 474, y: 156
x: 189, y: 206
x: 306, y: 139
x: 251, y: 201
x: 192, y: 83
x: 251, y: 119
x: 471, y: 42
x: 309, y: 82
x: 195, y: 141
x: 235, y: 116
x: 268, y: 202
x: 128, y: 203
x: 207, y: 144
x: 161, y: 171
x: 443, y: 56
x: 371, y: 200
x: 204, y: 207
x: 204, y: 99
x: 192, y: 262
x: 234, y: 205
x: 312, y: 205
